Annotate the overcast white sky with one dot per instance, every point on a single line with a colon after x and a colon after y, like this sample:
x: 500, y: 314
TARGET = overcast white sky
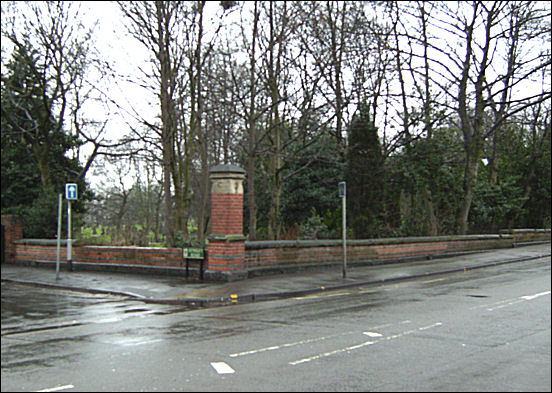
x: 125, y: 55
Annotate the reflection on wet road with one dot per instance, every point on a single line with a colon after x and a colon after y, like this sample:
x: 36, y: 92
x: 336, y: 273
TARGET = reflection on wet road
x: 434, y: 333
x: 26, y: 308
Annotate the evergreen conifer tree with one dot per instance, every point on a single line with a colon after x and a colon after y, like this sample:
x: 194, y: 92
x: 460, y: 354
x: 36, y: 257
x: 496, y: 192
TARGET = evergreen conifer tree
x: 35, y: 163
x: 364, y: 176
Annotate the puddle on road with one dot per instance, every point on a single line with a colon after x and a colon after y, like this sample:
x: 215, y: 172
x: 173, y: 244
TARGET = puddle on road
x: 136, y: 310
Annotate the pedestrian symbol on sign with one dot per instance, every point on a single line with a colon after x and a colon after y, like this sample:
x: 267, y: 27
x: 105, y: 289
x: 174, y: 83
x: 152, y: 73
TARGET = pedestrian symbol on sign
x: 71, y: 191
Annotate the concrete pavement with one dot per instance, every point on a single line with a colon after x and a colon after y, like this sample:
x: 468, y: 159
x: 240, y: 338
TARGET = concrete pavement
x: 179, y: 290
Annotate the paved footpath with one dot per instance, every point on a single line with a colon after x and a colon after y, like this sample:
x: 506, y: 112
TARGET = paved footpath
x: 179, y: 290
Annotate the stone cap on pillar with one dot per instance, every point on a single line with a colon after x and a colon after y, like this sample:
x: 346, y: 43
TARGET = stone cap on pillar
x: 227, y: 178
x: 226, y: 168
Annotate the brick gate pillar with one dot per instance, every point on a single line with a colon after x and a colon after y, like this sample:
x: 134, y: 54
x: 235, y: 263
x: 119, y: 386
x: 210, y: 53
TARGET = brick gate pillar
x: 226, y: 251
x: 12, y: 226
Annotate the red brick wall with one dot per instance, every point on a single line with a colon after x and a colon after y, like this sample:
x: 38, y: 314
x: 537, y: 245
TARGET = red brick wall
x: 258, y: 256
x: 235, y: 256
x: 226, y: 255
x: 146, y: 256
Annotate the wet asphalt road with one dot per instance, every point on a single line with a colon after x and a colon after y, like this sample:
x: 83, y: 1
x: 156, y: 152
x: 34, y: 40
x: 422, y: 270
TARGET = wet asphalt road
x: 484, y: 330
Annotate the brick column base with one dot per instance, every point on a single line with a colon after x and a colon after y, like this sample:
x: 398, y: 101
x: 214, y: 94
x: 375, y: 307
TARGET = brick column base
x: 226, y: 258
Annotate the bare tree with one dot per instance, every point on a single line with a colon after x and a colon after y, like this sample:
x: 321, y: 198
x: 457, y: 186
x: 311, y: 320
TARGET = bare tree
x: 54, y: 34
x: 327, y: 36
x: 159, y: 26
x: 477, y: 77
x: 526, y: 40
x: 174, y: 34
x: 473, y: 60
x: 411, y: 47
x: 538, y: 119
x: 198, y: 61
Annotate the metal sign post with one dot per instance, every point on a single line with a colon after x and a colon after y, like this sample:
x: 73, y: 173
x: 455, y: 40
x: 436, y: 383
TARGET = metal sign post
x: 69, y: 245
x: 193, y: 253
x: 343, y: 195
x: 70, y: 195
x: 58, y: 236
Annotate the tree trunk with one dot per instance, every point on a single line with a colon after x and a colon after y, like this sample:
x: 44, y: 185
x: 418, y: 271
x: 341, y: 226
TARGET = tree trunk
x: 430, y: 211
x: 197, y: 128
x: 472, y: 127
x: 41, y: 154
x: 470, y: 178
x: 251, y: 154
x: 274, y: 221
x: 167, y: 133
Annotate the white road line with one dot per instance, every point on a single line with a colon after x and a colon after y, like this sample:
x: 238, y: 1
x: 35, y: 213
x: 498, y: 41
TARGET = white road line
x: 505, y: 305
x: 109, y: 320
x: 491, y: 304
x: 510, y: 302
x: 521, y: 299
x: 222, y: 368
x: 372, y: 334
x: 531, y: 297
x: 286, y: 345
x: 307, y: 341
x: 437, y: 279
x: 331, y: 353
x: 364, y: 344
x: 57, y: 388
x: 430, y: 326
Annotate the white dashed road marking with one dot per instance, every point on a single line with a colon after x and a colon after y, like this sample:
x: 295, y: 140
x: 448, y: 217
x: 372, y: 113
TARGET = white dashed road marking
x: 222, y: 368
x: 372, y: 334
x: 353, y: 347
x: 286, y: 345
x: 309, y: 340
x: 57, y: 388
x: 510, y: 302
x: 364, y: 344
x: 531, y: 297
